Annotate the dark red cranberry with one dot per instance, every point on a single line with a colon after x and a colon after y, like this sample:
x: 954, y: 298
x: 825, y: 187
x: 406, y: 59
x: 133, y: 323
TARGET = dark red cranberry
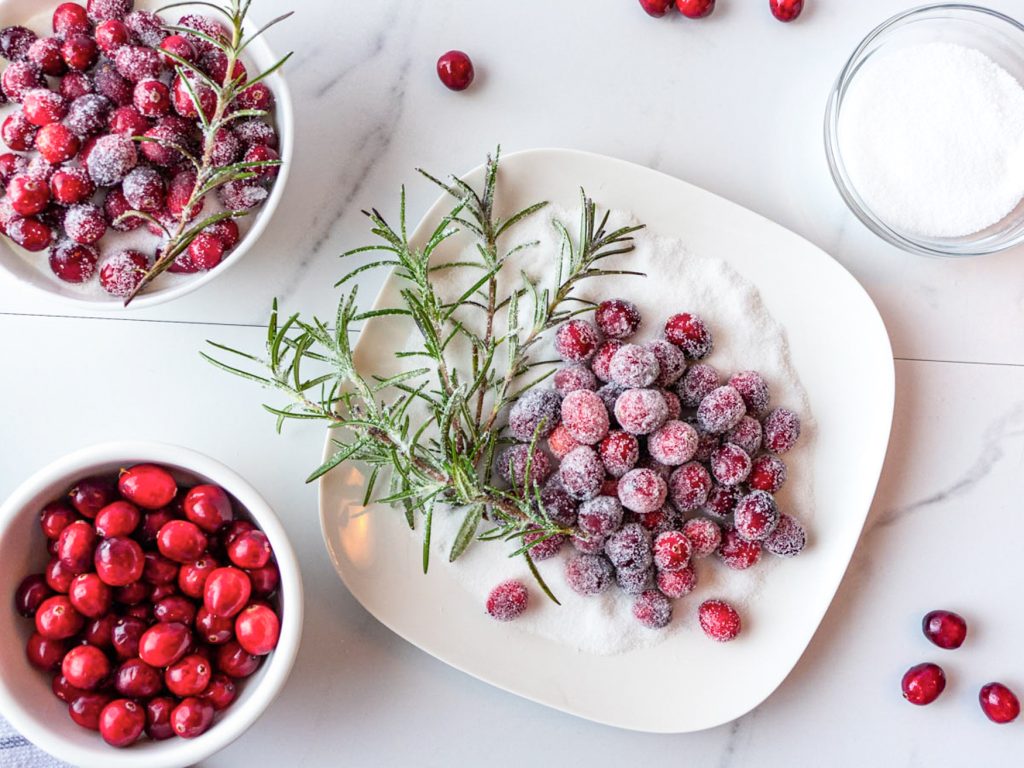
x: 999, y: 703
x: 15, y: 42
x: 944, y: 628
x: 137, y: 679
x: 132, y: 594
x: 80, y: 52
x: 227, y: 591
x: 111, y: 35
x: 265, y: 580
x: 923, y: 683
x: 122, y: 722
x: 455, y: 70
x: 45, y: 53
x: 192, y: 717
x: 205, y: 25
x: 75, y: 85
x: 100, y: 632
x: 181, y: 541
x: 108, y: 82
x: 208, y: 506
x: 220, y: 693
x: 175, y: 47
x: 148, y: 486
x: 175, y: 608
x: 214, y: 63
x: 695, y: 9
x: 235, y: 528
x: 255, y: 131
x: 76, y: 545
x: 215, y: 630
x: 85, y: 710
x: 234, y: 661
x: 163, y: 644
x: 260, y: 153
x: 657, y: 8
x: 158, y: 717
x: 55, y: 517
x: 258, y: 628
x: 786, y: 10
x: 90, y: 596
x: 91, y: 495
x: 250, y: 550
x: 143, y: 611
x: 688, y: 332
x: 125, y: 636
x: 152, y: 98
x: 11, y: 165
x: 58, y: 576
x: 114, y: 207
x: 119, y: 561
x: 159, y: 570
x: 69, y: 186
x: 193, y: 575
x: 57, y: 618
x: 45, y: 653
x: 31, y: 593
x: 70, y: 19
x: 160, y: 591
x: 28, y: 195
x: 85, y: 667
x: 188, y: 676
x: 64, y: 690
x: 118, y: 519
x: 87, y: 115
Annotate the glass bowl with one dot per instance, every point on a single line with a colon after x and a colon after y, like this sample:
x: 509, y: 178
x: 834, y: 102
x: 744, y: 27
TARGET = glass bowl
x: 997, y: 36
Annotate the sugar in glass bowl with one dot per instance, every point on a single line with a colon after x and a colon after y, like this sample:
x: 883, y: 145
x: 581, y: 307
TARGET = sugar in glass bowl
x: 993, y: 34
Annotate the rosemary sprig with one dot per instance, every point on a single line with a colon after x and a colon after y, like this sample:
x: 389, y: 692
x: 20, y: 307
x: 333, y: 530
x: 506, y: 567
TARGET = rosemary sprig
x: 426, y: 433
x: 209, y: 176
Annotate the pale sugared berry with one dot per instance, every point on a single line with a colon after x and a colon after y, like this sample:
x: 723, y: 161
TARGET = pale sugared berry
x: 641, y: 411
x: 18, y: 133
x: 599, y: 516
x: 109, y: 83
x: 589, y: 574
x: 944, y: 628
x: 672, y: 404
x: 698, y: 382
x: 756, y: 516
x: 689, y: 486
x: 730, y: 464
x: 768, y: 473
x: 585, y: 417
x: 560, y: 442
x: 719, y: 620
x: 923, y: 683
x: 85, y: 223
x: 786, y: 10
x: 747, y: 434
x: 576, y: 340
x: 535, y: 413
x: 652, y: 609
x: 634, y: 581
x: 999, y: 703
x: 588, y: 544
x: 15, y: 42
x: 673, y: 443
x: 573, y: 377
x: 205, y: 25
x: 110, y: 160
x: 619, y: 452
x: 629, y: 547
x: 19, y: 78
x: 601, y: 364
x: 136, y: 63
x: 617, y: 318
x: 634, y: 366
x: 657, y: 8
x: 753, y: 389
x: 241, y: 195
x: 690, y: 334
x: 781, y: 430
x: 676, y: 584
x: 642, y: 491
x: 73, y: 262
x: 581, y: 473
x: 664, y: 519
x: 146, y: 26
x: 787, y: 539
x: 544, y: 546
x: 671, y: 361
x: 672, y: 551
x: 143, y: 188
x: 255, y: 131
x: 519, y: 468
x: 455, y: 70
x: 738, y: 553
x: 559, y: 506
x: 721, y: 410
x: 704, y: 535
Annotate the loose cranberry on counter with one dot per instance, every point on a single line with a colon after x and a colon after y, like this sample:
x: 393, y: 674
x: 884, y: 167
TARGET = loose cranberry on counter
x: 944, y: 628
x: 657, y: 8
x: 695, y: 9
x: 455, y: 69
x: 923, y: 683
x: 786, y: 10
x: 999, y: 703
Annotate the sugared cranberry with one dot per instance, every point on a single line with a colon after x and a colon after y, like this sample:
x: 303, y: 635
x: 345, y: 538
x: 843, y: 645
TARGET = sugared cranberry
x: 738, y: 553
x: 581, y: 473
x: 689, y: 486
x: 158, y: 717
x: 676, y: 584
x: 70, y: 19
x: 455, y: 69
x: 146, y: 26
x: 641, y: 411
x: 111, y: 36
x: 635, y: 581
x: 128, y: 121
x: 589, y: 574
x: 75, y: 85
x: 999, y: 703
x: 730, y: 464
x: 786, y: 10
x: 15, y: 42
x: 85, y: 710
x: 152, y: 98
x: 69, y: 186
x: 85, y: 224
x: 619, y: 452
x: 110, y: 160
x: 671, y: 362
x: 11, y: 165
x: 143, y: 188
x: 57, y: 618
x: 90, y: 596
x: 923, y: 683
x: 76, y: 545
x: 226, y: 230
x: 206, y: 26
x: 45, y: 653
x: 572, y: 377
x: 781, y: 430
x: 585, y: 417
x: 674, y: 443
x: 756, y: 516
x: 19, y: 78
x: 42, y: 106
x: 31, y: 593
x: 642, y: 491
x: 80, y: 52
x: 687, y: 331
x: 109, y: 83
x: 506, y: 602
x: 241, y: 195
x: 788, y: 539
x: 747, y: 434
x: 672, y: 551
x: 85, y: 667
x: 255, y: 131
x: 617, y: 318
x: 600, y: 516
x: 119, y: 561
x: 101, y: 10
x: 719, y: 620
x: 560, y: 442
x: 175, y: 47
x: 18, y: 133
x: 164, y: 643
x: 257, y: 96
x: 601, y: 363
x: 184, y: 101
x: 30, y: 233
x: 125, y: 636
x: 704, y: 535
x: 944, y: 628
x: 634, y: 366
x: 234, y: 661
x: 576, y: 340
x: 629, y: 547
x: 45, y: 53
x: 227, y: 591
x: 136, y: 63
x: 205, y: 251
x: 260, y: 153
x: 122, y: 722
x: 652, y: 609
x: 720, y: 410
x: 536, y: 412
x: 520, y: 467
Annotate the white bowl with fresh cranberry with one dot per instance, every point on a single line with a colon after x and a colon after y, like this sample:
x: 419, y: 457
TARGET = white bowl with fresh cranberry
x: 80, y: 79
x: 154, y: 603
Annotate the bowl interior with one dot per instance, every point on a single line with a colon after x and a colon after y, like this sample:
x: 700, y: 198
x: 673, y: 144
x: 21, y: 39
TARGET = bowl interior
x: 32, y: 269
x: 32, y: 707
x: 998, y: 37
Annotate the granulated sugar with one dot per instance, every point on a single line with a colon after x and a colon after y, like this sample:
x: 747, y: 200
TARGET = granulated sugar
x: 746, y: 337
x: 932, y: 137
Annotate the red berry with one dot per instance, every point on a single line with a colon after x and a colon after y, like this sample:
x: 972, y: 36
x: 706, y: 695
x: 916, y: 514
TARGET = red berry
x: 673, y: 443
x: 226, y: 230
x: 234, y: 661
x: 85, y: 667
x: 136, y: 62
x: 205, y: 251
x: 119, y: 561
x: 122, y: 722
x: 258, y: 627
x: 738, y: 553
x: 114, y: 207
x: 125, y: 635
x: 584, y: 415
x: 672, y: 551
x: 999, y: 703
x: 601, y: 364
x: 58, y: 576
x: 181, y: 541
x: 560, y: 442
x: 18, y: 133
x: 192, y: 576
x: 589, y: 574
x: 788, y: 539
x: 182, y: 98
x: 15, y: 42
x: 923, y: 683
x: 781, y: 430
x: 257, y: 96
x: 110, y: 159
x: 747, y: 434
x: 688, y: 331
x: 730, y: 464
x: 695, y: 9
x: 512, y: 464
x: 260, y: 153
x: 45, y: 53
x: 159, y: 570
x: 146, y: 26
x: 28, y: 195
x: 641, y: 411
x: 720, y: 410
x: 786, y: 10
x: 944, y: 628
x: 80, y: 52
x: 57, y: 618
x: 215, y: 630
x: 255, y: 131
x: 31, y: 593
x: 85, y: 709
x: 70, y: 19
x: 719, y: 620
x: 85, y: 224
x: 42, y: 106
x: 455, y: 70
x: 241, y: 195
x: 265, y: 580
x: 629, y: 548
x: 11, y: 165
x: 76, y: 546
x: 45, y: 653
x: 158, y: 717
x: 571, y: 378
x: 220, y: 693
x: 188, y: 676
x: 75, y: 84
x: 600, y: 516
x: 120, y: 518
x: 704, y: 535
x: 250, y: 550
x: 676, y: 584
x: 581, y: 473
x: 90, y: 596
x: 63, y: 690
x: 134, y: 593
x: 227, y: 591
x: 756, y: 516
x: 147, y: 485
x: 101, y: 10
x: 634, y: 366
x: 55, y: 517
x: 657, y: 8
x: 208, y: 506
x: 73, y: 262
x: 19, y: 78
x: 192, y: 717
x: 71, y: 185
x: 652, y: 609
x: 178, y: 46
x: 617, y: 318
x: 619, y: 452
x: 30, y: 234
x: 175, y: 608
x: 143, y: 188
x: 689, y: 486
x: 164, y: 643
x: 109, y: 83
x: 111, y: 35
x: 576, y: 340
x: 536, y: 412
x: 671, y: 361
x: 642, y: 491
x: 207, y: 26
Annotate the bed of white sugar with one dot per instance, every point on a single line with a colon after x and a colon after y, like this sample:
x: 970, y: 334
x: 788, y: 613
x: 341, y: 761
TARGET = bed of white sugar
x: 746, y: 337
x: 932, y: 137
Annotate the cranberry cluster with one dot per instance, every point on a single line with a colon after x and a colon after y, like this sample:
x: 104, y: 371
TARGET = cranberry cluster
x: 924, y: 683
x: 783, y: 10
x: 662, y: 461
x: 153, y: 605
x: 106, y: 115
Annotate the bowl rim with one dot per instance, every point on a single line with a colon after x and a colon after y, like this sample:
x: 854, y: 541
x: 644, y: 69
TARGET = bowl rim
x: 174, y: 752
x: 284, y: 116
x: 923, y: 245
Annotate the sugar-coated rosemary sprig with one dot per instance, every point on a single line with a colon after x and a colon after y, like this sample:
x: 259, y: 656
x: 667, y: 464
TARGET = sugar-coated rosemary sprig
x: 431, y: 434
x: 209, y: 175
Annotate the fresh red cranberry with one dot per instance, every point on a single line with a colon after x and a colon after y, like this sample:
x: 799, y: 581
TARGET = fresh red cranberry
x: 220, y: 693
x: 58, y: 576
x: 235, y: 528
x: 781, y: 430
x: 227, y: 591
x: 85, y: 710
x: 164, y: 643
x: 31, y: 593
x: 80, y: 52
x: 181, y: 541
x: 695, y: 9
x: 159, y: 570
x: 90, y: 596
x: 30, y: 233
x: 142, y: 611
x: 125, y: 636
x: 192, y: 717
x: 85, y: 667
x: 111, y: 36
x: 72, y: 185
x: 175, y: 47
x: 28, y: 195
x: 19, y: 78
x: 15, y: 42
x: 923, y: 683
x: 119, y: 561
x: 109, y: 83
x: 45, y: 653
x: 256, y: 97
x: 175, y: 608
x: 719, y: 620
x: 234, y: 661
x: 786, y: 10
x: 120, y: 518
x: 265, y: 580
x: 193, y: 575
x: 57, y: 618
x: 250, y: 550
x: 55, y: 517
x: 188, y: 676
x: 100, y: 632
x: 45, y: 53
x: 137, y: 679
x: 70, y: 19
x: 64, y: 690
x: 182, y: 97
x: 132, y: 594
x: 42, y: 106
x: 215, y: 630
x: 999, y: 703
x: 455, y: 70
x: 945, y: 628
x: 114, y: 208
x: 148, y: 486
x: 260, y: 153
x: 205, y: 251
x: 122, y: 722
x: 738, y: 553
x: 152, y: 98
x: 158, y: 717
x: 91, y: 495
x: 18, y: 133
x: 258, y: 628
x: 128, y: 121
x: 76, y: 545
x: 75, y: 85
x: 11, y: 165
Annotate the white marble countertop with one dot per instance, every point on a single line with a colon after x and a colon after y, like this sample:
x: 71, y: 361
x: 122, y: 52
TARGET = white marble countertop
x: 733, y: 104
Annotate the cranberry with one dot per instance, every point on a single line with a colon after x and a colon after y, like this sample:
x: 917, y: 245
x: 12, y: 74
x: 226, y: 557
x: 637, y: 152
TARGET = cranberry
x: 923, y: 683
x: 19, y: 78
x: 205, y: 251
x: 226, y: 230
x: 45, y: 653
x: 111, y: 158
x: 136, y: 63
x: 125, y: 636
x: 573, y: 377
x: 192, y: 717
x: 158, y: 717
x: 85, y: 667
x: 220, y: 693
x: 234, y: 661
x: 28, y: 195
x: 55, y: 517
x: 258, y: 628
x: 786, y: 10
x: 455, y: 69
x: 15, y: 42
x: 265, y: 580
x: 100, y: 632
x: 59, y: 576
x: 241, y: 195
x: 205, y: 25
x: 250, y: 550
x: 629, y: 547
x: 85, y: 224
x: 128, y: 121
x: 255, y: 131
x: 747, y: 435
x: 181, y: 541
x: 69, y: 19
x: 600, y: 516
x: 57, y: 619
x: 42, y: 106
x: 588, y: 544
x: 584, y: 415
x: 18, y: 133
x: 119, y: 561
x: 227, y: 591
x: 11, y: 165
x: 581, y: 473
x: 148, y: 486
x: 788, y: 539
x: 85, y: 710
x: 652, y: 609
x: 945, y: 628
x: 720, y: 410
x: 676, y: 584
x: 147, y: 27
x: 111, y: 36
x: 158, y: 570
x: 152, y: 98
x: 535, y: 413
x: 674, y: 443
x: 672, y: 551
x: 781, y: 430
x: 80, y: 52
x: 560, y: 442
x: 193, y: 575
x: 719, y: 620
x: 688, y: 332
x: 114, y: 208
x: 175, y: 608
x: 260, y: 153
x: 634, y: 366
x: 671, y: 362
x: 704, y: 535
x: 617, y: 318
x: 122, y: 722
x: 664, y: 519
x: 76, y: 545
x: 730, y: 464
x: 589, y: 574
x: 641, y: 411
x: 657, y: 8
x: 738, y: 553
x: 164, y: 643
x: 756, y: 516
x: 101, y: 10
x: 168, y: 133
x: 215, y: 630
x: 45, y: 53
x: 642, y: 491
x: 30, y: 234
x: 256, y: 97
x: 144, y: 190
x: 576, y: 340
x: 90, y: 596
x: 31, y: 593
x: 75, y: 84
x: 64, y: 690
x: 118, y: 519
x: 619, y: 452
x: 999, y: 703
x: 188, y: 677
x: 109, y: 83
x: 177, y: 47
x: 71, y: 185
x: 183, y: 101
x: 132, y: 594
x: 689, y: 486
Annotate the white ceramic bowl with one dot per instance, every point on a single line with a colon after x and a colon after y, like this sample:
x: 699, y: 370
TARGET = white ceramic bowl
x: 32, y: 271
x: 26, y: 699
